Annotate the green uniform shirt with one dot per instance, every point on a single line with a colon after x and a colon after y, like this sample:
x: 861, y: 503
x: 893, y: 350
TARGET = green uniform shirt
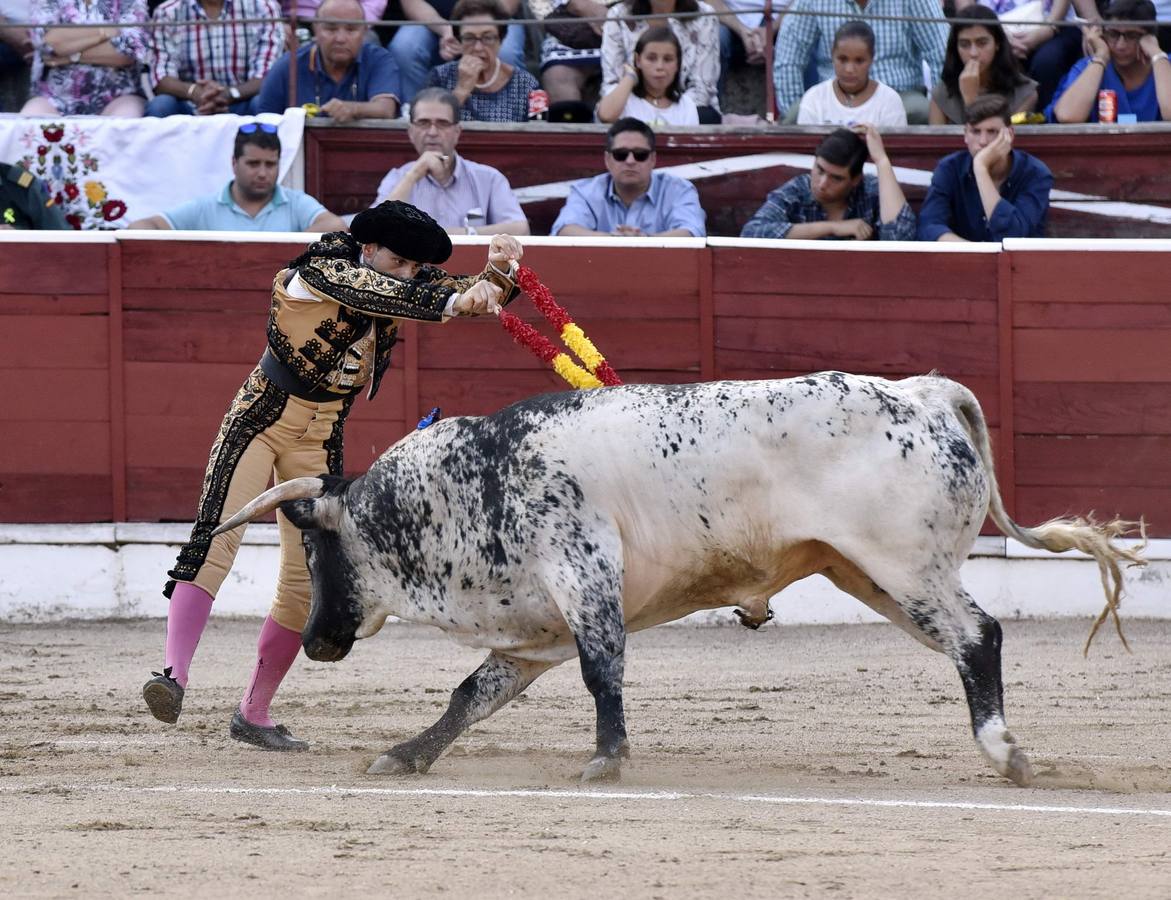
x: 25, y: 204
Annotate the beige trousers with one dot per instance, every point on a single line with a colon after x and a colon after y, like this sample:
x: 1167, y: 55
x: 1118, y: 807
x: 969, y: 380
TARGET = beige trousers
x: 287, y: 440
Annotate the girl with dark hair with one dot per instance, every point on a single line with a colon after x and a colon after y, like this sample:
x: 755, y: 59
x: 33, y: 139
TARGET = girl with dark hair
x: 649, y: 89
x: 852, y: 96
x: 1125, y: 59
x: 698, y: 38
x: 979, y: 60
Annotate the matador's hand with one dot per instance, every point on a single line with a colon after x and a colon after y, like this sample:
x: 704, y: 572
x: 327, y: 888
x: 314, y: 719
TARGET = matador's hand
x: 481, y: 299
x: 504, y: 249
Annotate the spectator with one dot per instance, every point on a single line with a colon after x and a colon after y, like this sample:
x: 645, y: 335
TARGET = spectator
x: 90, y: 70
x: 835, y: 200
x: 503, y: 94
x: 418, y: 48
x: 852, y: 96
x: 461, y: 195
x: 342, y: 74
x: 743, y: 37
x: 1124, y: 59
x: 990, y: 191
x: 979, y: 60
x: 203, y: 70
x: 632, y: 200
x: 372, y: 10
x: 571, y: 52
x: 16, y: 44
x: 25, y: 204
x: 252, y: 200
x: 900, y: 48
x: 1049, y: 49
x: 649, y: 89
x: 699, y: 38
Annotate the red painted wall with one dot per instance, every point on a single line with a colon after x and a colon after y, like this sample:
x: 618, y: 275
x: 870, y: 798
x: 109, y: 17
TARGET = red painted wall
x: 118, y: 366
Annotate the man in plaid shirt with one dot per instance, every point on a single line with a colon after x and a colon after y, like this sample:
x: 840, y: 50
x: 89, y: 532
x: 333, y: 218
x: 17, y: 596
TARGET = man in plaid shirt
x: 899, y: 47
x: 216, y: 65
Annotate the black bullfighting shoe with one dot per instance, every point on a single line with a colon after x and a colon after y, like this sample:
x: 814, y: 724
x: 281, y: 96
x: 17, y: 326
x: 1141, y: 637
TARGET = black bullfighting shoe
x: 164, y: 696
x: 275, y: 738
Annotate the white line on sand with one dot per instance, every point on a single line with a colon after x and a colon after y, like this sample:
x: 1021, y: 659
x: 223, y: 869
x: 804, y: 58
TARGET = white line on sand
x: 596, y: 795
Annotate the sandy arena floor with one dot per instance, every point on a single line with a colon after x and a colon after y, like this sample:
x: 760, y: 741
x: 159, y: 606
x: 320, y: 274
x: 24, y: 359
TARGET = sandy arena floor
x: 791, y: 762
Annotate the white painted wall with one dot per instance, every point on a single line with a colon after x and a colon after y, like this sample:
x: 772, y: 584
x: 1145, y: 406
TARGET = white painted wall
x: 53, y: 572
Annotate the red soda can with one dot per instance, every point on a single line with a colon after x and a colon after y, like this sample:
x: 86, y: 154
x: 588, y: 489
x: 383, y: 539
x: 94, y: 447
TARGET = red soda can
x: 538, y: 104
x: 1107, y: 106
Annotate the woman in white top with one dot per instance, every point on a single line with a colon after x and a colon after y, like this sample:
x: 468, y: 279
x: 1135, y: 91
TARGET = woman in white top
x: 852, y: 97
x: 649, y: 89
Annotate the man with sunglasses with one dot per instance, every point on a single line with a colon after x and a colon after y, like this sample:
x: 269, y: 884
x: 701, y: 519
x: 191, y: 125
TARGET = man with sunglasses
x: 1125, y: 59
x: 461, y: 195
x: 343, y: 75
x: 631, y: 199
x: 252, y: 200
x: 333, y: 320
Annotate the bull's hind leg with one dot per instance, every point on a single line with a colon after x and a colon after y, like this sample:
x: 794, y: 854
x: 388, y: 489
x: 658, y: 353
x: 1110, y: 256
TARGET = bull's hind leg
x: 499, y: 679
x: 945, y: 617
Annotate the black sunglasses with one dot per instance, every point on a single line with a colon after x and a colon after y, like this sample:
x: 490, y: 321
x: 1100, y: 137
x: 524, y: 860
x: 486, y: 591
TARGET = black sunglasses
x: 250, y: 128
x: 622, y: 153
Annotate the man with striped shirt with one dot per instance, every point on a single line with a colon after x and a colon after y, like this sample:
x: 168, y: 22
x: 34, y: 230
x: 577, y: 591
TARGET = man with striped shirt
x: 900, y: 47
x: 217, y: 64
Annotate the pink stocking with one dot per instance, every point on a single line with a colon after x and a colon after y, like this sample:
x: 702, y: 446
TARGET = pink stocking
x: 186, y: 619
x: 275, y: 652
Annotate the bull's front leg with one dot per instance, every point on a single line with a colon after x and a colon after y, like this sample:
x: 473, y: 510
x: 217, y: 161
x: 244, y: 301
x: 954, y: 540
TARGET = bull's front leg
x: 499, y: 679
x: 601, y: 645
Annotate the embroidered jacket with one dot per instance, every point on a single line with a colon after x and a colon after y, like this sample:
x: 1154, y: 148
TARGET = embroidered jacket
x: 333, y: 321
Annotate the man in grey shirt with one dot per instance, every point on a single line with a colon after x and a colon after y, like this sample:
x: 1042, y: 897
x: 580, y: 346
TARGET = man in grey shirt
x: 462, y: 196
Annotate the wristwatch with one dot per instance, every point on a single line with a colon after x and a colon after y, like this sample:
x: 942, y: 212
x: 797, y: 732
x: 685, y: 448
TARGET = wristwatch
x: 234, y: 93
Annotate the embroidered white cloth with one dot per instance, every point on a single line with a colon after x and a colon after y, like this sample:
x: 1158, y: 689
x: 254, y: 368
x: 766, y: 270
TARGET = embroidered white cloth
x: 107, y: 172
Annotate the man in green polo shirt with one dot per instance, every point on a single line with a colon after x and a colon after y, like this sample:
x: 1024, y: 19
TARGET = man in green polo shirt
x: 252, y: 200
x: 25, y: 204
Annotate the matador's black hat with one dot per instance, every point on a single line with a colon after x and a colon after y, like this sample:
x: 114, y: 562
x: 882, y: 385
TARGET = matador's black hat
x: 402, y: 229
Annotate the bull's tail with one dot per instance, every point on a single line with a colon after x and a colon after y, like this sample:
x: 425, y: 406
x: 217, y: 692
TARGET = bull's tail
x: 1095, y: 539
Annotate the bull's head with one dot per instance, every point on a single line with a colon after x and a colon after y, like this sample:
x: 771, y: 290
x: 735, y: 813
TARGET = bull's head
x: 338, y: 616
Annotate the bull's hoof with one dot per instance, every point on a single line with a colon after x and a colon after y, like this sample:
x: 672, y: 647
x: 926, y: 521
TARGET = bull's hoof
x: 394, y: 762
x: 602, y: 769
x: 752, y: 620
x: 1018, y: 769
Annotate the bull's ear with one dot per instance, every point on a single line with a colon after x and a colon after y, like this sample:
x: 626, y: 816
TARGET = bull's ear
x: 320, y: 512
x: 302, y: 513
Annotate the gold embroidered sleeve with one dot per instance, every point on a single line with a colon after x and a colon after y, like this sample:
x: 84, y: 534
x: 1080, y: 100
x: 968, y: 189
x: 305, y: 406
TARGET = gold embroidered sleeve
x: 370, y: 291
x: 460, y: 283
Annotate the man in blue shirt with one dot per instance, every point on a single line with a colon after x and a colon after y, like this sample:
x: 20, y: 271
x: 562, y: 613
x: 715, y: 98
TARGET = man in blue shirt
x: 252, y: 200
x: 990, y: 191
x: 631, y: 200
x: 341, y: 74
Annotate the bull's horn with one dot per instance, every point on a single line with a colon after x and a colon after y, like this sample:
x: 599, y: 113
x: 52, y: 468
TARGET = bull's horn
x: 297, y: 489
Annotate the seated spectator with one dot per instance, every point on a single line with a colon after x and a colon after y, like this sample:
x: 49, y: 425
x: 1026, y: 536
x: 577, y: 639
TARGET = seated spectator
x: 487, y: 88
x: 1049, y: 49
x: 699, y: 38
x: 372, y: 10
x: 1124, y: 59
x: 461, y: 195
x: 16, y: 44
x: 990, y: 191
x: 836, y: 200
x: 25, y: 204
x: 342, y: 74
x: 631, y: 200
x: 743, y: 37
x: 649, y: 88
x: 979, y: 60
x: 571, y: 52
x: 418, y: 48
x: 252, y: 200
x: 900, y: 49
x: 86, y: 71
x: 202, y: 70
x: 852, y: 96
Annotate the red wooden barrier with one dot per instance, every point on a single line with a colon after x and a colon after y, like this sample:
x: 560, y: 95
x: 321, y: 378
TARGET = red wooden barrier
x: 118, y: 366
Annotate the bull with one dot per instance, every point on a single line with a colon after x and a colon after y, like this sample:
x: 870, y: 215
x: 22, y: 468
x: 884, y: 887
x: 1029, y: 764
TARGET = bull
x: 556, y: 526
